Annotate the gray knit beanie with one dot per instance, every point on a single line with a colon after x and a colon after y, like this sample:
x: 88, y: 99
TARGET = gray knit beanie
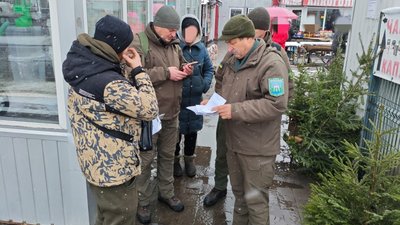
x: 238, y: 26
x: 260, y: 18
x: 167, y: 17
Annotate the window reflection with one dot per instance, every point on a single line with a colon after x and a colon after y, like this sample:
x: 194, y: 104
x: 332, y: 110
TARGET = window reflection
x: 27, y: 86
x: 97, y: 9
x: 137, y: 15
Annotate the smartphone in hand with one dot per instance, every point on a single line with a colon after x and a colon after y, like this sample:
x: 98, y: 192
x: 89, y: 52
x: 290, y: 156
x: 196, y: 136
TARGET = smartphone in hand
x: 188, y: 64
x: 192, y: 63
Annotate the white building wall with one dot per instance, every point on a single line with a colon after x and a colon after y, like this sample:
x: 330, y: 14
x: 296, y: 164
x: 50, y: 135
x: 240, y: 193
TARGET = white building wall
x: 40, y: 179
x: 365, y: 26
x: 224, y: 11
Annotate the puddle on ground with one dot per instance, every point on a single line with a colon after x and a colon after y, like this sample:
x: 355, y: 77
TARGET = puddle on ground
x: 284, y: 184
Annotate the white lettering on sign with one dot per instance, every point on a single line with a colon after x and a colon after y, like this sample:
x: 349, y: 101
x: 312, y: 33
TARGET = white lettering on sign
x: 292, y: 2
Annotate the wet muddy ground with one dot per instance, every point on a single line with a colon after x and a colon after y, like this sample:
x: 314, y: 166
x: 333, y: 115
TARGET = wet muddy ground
x: 287, y: 196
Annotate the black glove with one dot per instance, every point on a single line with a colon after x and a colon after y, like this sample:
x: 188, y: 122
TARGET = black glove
x: 135, y: 72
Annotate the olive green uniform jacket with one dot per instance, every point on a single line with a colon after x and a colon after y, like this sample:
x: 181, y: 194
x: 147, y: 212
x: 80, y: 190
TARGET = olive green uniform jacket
x: 256, y: 115
x: 285, y: 58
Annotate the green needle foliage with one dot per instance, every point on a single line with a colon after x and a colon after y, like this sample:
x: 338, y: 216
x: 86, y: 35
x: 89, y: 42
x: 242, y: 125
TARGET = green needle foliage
x: 342, y: 197
x: 323, y: 112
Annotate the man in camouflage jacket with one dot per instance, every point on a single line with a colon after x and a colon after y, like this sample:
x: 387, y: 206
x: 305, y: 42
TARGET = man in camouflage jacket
x: 105, y: 111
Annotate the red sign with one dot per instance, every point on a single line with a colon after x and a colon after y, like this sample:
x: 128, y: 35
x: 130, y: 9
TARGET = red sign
x: 329, y: 3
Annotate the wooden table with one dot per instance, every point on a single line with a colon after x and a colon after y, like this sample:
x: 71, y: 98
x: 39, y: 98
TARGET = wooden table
x: 316, y: 39
x: 308, y: 47
x: 322, y: 49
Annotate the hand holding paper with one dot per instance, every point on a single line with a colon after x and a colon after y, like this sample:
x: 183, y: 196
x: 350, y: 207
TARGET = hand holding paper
x: 224, y: 111
x: 215, y: 100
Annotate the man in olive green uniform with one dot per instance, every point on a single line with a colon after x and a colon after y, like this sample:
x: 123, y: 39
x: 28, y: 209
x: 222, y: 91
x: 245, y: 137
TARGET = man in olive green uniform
x: 255, y: 85
x: 163, y: 62
x: 261, y: 20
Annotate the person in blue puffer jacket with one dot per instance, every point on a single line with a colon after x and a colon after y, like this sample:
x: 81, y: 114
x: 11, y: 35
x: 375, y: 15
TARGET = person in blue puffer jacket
x: 193, y: 88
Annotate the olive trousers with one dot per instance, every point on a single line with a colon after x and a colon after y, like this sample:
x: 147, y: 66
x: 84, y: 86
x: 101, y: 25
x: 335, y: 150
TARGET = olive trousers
x: 221, y: 166
x: 164, y: 143
x: 116, y: 205
x: 250, y: 176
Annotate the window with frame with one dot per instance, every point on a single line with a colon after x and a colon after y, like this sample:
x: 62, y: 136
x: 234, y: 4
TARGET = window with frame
x: 235, y: 11
x: 136, y: 12
x: 97, y: 9
x: 27, y: 81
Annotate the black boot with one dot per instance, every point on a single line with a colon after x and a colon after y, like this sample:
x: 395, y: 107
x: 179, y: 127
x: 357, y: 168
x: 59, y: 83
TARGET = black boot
x: 143, y: 214
x: 178, y: 172
x: 214, y: 196
x: 190, y: 168
x: 173, y: 203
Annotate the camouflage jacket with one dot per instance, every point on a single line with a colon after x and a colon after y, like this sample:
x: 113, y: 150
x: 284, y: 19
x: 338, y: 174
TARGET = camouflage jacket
x: 105, y: 160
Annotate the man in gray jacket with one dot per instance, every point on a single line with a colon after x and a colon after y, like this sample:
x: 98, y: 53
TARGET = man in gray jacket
x: 254, y: 81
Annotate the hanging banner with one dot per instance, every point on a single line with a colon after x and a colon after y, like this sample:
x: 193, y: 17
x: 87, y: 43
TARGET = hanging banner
x: 329, y: 3
x: 388, y: 62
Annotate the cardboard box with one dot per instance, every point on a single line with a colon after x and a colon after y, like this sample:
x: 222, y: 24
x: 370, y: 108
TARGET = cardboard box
x: 311, y: 28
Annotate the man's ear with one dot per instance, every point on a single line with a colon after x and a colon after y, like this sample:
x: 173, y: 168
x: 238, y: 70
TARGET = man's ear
x: 120, y: 55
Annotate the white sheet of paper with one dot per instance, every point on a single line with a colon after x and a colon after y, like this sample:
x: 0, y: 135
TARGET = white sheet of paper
x: 156, y: 124
x: 215, y: 100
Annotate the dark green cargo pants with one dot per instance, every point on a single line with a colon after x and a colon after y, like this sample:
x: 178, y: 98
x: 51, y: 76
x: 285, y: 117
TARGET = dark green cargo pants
x: 116, y: 205
x: 221, y: 166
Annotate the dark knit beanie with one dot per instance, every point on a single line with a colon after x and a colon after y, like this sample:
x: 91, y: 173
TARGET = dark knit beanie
x: 190, y: 22
x: 260, y: 18
x: 238, y: 26
x: 167, y: 17
x: 115, y: 32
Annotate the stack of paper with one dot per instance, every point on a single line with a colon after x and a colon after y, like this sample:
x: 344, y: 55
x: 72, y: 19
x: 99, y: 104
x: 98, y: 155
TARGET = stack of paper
x: 215, y: 100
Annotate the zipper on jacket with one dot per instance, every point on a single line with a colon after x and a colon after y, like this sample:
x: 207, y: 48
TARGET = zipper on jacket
x: 190, y: 101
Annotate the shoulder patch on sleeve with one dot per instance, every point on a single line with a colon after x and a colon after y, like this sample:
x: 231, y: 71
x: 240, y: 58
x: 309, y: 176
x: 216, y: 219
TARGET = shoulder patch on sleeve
x: 276, y: 86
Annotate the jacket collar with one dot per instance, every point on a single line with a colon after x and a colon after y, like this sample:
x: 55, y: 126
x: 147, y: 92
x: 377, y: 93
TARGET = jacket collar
x: 98, y: 48
x: 268, y: 38
x: 252, y: 59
